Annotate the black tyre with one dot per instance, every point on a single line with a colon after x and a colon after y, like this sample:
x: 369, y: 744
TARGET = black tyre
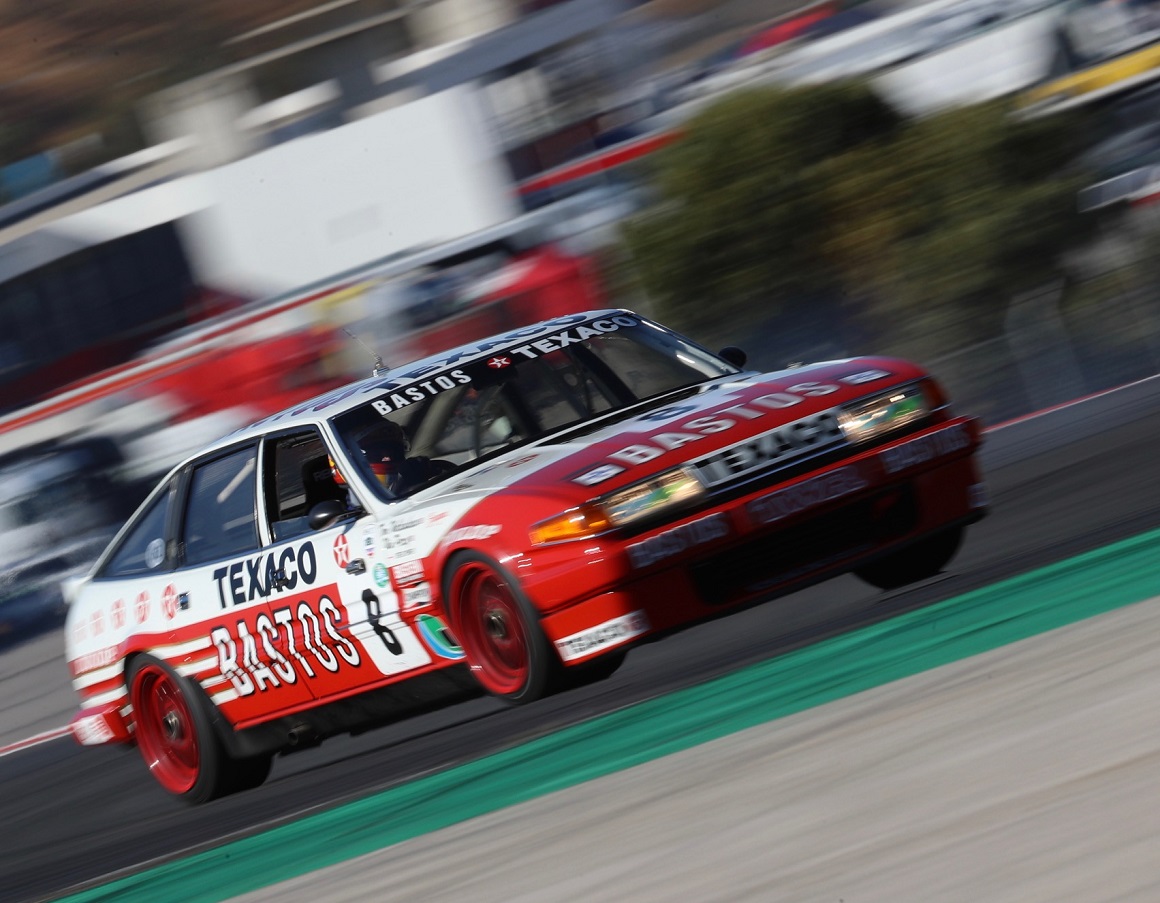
x: 248, y: 773
x: 917, y: 561
x: 499, y: 630
x: 596, y: 670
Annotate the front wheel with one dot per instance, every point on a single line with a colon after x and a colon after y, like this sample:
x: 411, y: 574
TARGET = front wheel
x: 499, y: 630
x: 917, y: 561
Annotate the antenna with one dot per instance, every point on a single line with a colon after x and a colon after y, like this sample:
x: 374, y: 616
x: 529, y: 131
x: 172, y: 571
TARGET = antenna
x: 379, y: 367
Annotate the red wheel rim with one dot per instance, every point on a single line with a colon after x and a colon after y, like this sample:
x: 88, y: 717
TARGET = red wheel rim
x: 166, y: 734
x: 491, y: 628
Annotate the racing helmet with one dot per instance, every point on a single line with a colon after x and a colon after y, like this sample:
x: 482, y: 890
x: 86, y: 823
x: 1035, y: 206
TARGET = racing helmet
x: 385, y: 447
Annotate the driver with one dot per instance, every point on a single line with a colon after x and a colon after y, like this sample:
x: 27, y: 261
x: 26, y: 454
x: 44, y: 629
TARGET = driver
x: 386, y: 448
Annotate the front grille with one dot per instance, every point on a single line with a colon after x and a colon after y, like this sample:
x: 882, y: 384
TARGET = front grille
x: 769, y: 560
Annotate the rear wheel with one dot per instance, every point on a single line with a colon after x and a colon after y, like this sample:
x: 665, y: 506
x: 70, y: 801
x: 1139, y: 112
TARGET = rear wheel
x: 499, y: 630
x: 177, y: 740
x: 918, y: 561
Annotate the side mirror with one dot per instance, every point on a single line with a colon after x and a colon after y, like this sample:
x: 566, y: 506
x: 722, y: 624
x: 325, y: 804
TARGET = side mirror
x: 731, y: 354
x: 327, y: 513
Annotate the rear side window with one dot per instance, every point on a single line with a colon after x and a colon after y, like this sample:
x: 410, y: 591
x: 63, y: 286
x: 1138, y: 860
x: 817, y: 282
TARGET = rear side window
x: 219, y: 516
x: 142, y: 550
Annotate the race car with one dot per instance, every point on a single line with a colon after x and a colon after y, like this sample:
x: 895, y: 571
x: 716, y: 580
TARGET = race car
x: 510, y: 515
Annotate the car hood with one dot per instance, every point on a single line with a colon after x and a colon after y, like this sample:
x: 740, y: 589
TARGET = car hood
x: 686, y: 425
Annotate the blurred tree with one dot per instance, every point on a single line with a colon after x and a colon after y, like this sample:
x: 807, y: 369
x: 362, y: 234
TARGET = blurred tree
x: 735, y: 232
x: 934, y: 233
x: 820, y: 198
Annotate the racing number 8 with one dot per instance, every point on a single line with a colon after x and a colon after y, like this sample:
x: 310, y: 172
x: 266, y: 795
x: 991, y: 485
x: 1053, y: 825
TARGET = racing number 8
x: 375, y: 615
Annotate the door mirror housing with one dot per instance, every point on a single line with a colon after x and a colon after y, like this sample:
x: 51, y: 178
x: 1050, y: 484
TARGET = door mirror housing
x: 731, y: 354
x: 327, y: 513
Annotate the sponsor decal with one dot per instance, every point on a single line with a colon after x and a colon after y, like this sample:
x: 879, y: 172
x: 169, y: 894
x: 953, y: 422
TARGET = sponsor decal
x: 784, y: 442
x: 572, y: 336
x: 341, y: 551
x: 407, y: 573
x: 419, y: 391
x: 141, y: 607
x: 778, y: 446
x: 169, y: 601
x: 610, y: 633
x: 97, y: 622
x: 438, y: 637
x: 678, y: 539
x: 865, y: 376
x: 254, y: 660
x: 90, y: 661
x: 925, y: 448
x: 827, y: 487
x: 472, y: 532
x: 598, y: 474
x: 92, y: 730
x: 498, y: 363
x: 155, y: 553
x: 417, y: 596
x: 368, y: 544
x: 261, y: 576
x: 118, y: 614
x: 380, y: 574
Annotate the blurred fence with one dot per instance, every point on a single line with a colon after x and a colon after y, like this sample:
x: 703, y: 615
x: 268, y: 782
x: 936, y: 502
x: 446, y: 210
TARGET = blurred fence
x: 1099, y: 331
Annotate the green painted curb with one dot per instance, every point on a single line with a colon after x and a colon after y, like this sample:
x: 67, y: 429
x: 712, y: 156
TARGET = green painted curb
x: 994, y: 616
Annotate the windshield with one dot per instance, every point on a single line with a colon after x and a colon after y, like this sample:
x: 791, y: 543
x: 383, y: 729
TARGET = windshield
x: 411, y: 436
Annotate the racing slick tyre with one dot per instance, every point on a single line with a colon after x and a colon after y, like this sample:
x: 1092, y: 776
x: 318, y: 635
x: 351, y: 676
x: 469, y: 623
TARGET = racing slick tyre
x: 917, y: 561
x: 248, y: 773
x: 499, y: 630
x: 594, y: 671
x: 177, y: 740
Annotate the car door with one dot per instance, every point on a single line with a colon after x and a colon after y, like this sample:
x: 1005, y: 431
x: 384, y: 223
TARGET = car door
x: 339, y: 614
x: 225, y: 589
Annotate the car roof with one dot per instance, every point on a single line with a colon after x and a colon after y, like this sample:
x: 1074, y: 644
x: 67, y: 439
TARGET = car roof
x: 352, y: 395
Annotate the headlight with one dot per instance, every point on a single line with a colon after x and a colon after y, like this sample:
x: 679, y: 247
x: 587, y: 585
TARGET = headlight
x: 865, y: 420
x: 666, y: 491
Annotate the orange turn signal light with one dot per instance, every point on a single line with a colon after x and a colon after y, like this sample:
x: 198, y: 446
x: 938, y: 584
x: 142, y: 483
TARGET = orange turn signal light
x: 577, y: 523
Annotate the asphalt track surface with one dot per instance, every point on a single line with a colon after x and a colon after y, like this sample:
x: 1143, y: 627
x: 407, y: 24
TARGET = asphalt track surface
x: 1074, y: 480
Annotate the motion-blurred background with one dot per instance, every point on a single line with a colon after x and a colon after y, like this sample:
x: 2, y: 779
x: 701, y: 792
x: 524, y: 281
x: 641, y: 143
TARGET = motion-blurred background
x: 211, y: 211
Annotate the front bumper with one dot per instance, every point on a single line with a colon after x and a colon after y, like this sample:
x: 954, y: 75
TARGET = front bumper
x: 766, y: 541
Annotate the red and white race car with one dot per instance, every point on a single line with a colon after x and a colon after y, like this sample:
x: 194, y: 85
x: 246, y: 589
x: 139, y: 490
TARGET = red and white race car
x: 512, y: 514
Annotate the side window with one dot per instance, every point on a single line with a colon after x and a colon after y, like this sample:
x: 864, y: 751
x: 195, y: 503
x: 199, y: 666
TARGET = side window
x: 219, y: 516
x: 142, y: 550
x: 297, y: 477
